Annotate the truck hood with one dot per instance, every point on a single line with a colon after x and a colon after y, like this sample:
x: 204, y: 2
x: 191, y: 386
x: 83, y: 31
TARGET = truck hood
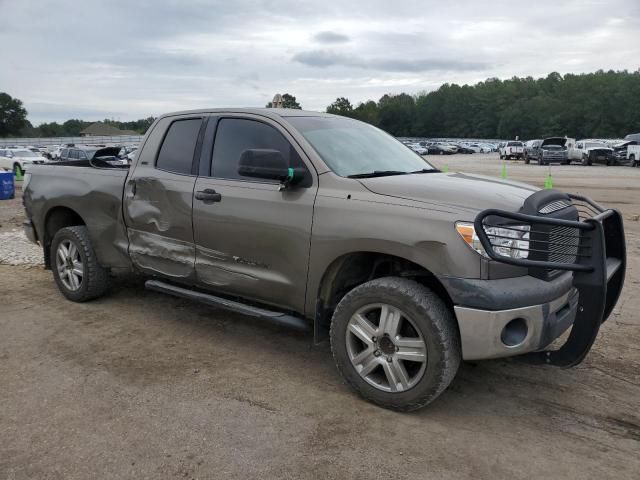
x: 461, y: 192
x: 554, y: 142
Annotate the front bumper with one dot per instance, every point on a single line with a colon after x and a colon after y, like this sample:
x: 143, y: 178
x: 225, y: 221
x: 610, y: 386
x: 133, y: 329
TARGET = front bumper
x: 591, y: 247
x: 501, y: 333
x: 553, y: 157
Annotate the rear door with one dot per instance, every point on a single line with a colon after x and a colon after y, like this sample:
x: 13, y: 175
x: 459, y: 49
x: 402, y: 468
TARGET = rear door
x: 253, y: 240
x: 158, y: 199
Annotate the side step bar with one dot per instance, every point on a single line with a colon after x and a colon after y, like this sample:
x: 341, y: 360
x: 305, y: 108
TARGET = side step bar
x: 278, y: 318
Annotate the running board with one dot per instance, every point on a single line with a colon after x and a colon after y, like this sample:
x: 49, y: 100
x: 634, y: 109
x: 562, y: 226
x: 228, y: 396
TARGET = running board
x: 278, y: 318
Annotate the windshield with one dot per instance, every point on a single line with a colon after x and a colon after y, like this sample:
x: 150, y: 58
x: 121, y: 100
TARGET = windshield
x: 350, y: 147
x: 595, y: 145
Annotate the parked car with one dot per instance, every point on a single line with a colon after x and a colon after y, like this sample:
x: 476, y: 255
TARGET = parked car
x: 19, y: 159
x: 319, y: 221
x: 550, y: 150
x: 633, y: 136
x: 90, y: 153
x: 513, y: 149
x: 441, y: 149
x: 419, y: 149
x: 620, y: 156
x: 589, y: 152
x: 530, y: 149
x: 481, y: 148
x: 464, y: 149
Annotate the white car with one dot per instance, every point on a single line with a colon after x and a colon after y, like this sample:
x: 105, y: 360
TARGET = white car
x: 19, y: 159
x: 419, y: 149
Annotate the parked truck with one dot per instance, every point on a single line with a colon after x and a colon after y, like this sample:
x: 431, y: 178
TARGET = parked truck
x: 509, y: 150
x: 322, y: 222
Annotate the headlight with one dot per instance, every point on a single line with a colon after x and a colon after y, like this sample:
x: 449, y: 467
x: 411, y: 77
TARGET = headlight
x: 508, y: 242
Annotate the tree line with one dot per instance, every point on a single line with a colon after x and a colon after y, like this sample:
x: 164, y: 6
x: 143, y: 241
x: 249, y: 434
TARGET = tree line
x: 14, y: 123
x: 597, y: 105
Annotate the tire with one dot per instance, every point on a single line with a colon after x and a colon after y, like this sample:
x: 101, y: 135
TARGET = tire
x: 93, y: 281
x: 422, y: 314
x: 585, y: 160
x: 18, y: 169
x: 632, y: 160
x: 540, y: 161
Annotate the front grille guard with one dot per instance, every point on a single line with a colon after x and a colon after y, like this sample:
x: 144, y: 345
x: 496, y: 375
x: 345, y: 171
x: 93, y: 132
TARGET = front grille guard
x: 599, y: 267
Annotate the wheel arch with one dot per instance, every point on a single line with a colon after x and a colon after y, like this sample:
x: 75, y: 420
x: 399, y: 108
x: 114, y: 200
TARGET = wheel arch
x: 56, y: 218
x: 355, y: 268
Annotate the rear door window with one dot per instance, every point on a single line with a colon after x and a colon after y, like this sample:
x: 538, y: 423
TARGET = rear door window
x: 179, y: 145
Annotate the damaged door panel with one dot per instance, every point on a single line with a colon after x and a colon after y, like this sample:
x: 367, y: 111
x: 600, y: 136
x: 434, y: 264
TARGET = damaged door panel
x: 158, y: 201
x: 254, y: 239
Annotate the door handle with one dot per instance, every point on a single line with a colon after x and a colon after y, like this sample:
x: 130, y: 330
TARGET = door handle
x: 208, y: 196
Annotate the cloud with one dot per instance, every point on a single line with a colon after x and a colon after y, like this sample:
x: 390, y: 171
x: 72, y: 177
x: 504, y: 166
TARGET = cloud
x: 326, y: 58
x: 134, y: 59
x: 330, y: 37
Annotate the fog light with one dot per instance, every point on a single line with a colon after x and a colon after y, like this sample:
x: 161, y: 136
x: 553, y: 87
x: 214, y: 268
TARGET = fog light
x: 514, y: 332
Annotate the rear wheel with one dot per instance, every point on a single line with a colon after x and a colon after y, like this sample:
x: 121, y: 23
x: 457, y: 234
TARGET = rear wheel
x: 395, y: 342
x: 75, y: 267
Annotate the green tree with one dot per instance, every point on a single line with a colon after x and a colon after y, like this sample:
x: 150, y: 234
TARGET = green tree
x: 289, y: 101
x: 342, y: 106
x: 13, y: 116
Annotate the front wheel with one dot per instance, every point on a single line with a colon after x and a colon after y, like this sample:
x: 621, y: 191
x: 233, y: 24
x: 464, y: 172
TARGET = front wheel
x: 395, y: 342
x: 75, y: 267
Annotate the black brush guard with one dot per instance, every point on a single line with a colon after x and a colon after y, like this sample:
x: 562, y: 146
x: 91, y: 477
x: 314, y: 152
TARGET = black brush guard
x: 599, y: 268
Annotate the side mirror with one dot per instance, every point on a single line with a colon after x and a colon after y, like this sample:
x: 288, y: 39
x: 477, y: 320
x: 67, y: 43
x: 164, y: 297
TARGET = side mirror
x: 267, y: 164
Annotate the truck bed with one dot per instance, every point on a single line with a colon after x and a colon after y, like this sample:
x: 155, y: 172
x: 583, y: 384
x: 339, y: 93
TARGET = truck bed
x: 94, y: 193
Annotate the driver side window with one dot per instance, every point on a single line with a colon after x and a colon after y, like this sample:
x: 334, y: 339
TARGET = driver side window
x: 235, y: 135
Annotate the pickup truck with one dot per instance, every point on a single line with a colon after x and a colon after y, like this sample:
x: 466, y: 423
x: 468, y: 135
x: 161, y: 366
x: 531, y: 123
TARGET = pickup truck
x: 633, y: 154
x: 589, y: 152
x: 511, y: 150
x: 322, y: 222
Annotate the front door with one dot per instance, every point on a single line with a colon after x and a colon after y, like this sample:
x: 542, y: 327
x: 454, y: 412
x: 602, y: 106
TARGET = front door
x: 252, y: 237
x: 158, y: 200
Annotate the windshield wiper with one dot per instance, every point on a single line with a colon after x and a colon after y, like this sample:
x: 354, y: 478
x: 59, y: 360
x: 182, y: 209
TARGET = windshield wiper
x: 426, y: 170
x: 377, y: 173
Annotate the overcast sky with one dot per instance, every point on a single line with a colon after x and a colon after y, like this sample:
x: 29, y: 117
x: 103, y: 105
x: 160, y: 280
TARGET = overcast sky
x: 128, y: 59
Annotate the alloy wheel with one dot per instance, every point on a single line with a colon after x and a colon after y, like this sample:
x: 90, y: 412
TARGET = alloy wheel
x: 70, y: 266
x: 386, y: 348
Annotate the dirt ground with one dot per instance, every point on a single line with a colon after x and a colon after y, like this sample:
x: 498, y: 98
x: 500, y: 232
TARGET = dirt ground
x: 141, y: 385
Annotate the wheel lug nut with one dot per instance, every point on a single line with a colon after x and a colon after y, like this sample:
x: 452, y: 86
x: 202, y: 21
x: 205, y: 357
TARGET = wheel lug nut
x: 397, y: 348
x: 377, y: 353
x: 374, y: 339
x: 389, y: 359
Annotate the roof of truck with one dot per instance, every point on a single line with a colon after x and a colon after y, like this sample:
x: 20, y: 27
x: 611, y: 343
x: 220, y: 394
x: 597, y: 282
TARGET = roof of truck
x: 267, y: 112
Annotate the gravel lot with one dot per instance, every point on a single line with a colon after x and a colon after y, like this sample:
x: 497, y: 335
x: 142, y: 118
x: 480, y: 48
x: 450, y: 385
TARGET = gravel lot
x: 141, y: 385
